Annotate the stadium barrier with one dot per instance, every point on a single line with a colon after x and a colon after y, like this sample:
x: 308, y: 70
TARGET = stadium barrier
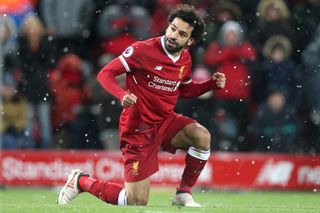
x: 223, y: 170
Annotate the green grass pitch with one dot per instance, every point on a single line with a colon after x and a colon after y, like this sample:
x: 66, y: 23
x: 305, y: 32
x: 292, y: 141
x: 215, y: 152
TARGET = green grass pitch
x: 44, y: 201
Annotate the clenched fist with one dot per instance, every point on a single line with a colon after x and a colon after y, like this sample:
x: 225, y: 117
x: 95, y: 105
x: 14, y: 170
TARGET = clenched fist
x: 128, y: 100
x: 220, y: 79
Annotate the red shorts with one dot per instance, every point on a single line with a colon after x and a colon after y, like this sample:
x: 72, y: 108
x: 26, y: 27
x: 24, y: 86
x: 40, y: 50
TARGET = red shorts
x: 140, y: 150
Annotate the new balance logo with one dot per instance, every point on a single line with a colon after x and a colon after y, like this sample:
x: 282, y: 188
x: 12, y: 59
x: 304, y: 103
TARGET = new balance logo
x: 275, y: 173
x: 159, y: 68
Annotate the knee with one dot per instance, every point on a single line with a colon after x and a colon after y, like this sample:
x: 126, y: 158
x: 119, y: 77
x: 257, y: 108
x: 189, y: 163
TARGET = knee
x: 203, y: 140
x: 137, y: 200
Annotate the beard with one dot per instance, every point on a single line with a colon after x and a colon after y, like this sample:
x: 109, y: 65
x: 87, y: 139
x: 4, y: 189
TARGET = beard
x: 172, y: 46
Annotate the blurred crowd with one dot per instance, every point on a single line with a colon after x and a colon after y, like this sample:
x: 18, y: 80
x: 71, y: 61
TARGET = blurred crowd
x: 52, y: 50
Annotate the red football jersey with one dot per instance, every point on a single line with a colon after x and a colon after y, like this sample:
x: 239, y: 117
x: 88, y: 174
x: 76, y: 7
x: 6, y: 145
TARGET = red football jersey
x: 154, y: 76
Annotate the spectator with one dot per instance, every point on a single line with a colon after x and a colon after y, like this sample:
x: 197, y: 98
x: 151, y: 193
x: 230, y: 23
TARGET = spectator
x: 216, y: 15
x: 275, y: 127
x: 274, y: 18
x: 34, y: 62
x: 74, y: 124
x: 68, y: 24
x: 14, y: 121
x: 278, y: 70
x: 231, y: 56
x: 121, y: 24
x: 221, y: 12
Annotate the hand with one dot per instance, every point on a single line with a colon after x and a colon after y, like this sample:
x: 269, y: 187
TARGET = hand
x: 220, y: 79
x: 128, y: 100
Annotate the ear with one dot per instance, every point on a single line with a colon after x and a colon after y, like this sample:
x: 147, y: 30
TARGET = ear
x: 190, y: 41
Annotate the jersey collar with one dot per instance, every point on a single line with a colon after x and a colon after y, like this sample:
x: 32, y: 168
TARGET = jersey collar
x: 172, y: 57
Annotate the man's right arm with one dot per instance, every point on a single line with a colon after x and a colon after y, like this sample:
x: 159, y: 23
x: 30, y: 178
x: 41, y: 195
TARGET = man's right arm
x: 127, y: 62
x: 106, y: 77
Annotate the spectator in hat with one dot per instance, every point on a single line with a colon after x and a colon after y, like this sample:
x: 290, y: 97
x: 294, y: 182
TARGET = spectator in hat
x: 278, y: 70
x: 274, y: 18
x: 232, y: 55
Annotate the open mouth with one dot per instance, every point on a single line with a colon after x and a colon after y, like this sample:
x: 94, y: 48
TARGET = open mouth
x: 171, y: 43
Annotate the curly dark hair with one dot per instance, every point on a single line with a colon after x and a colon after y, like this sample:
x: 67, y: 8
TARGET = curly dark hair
x: 188, y: 14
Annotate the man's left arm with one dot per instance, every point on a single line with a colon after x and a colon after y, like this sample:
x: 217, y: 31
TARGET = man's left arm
x: 195, y: 89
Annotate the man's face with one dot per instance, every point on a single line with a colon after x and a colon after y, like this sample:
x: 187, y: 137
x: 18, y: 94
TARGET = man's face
x: 178, y: 36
